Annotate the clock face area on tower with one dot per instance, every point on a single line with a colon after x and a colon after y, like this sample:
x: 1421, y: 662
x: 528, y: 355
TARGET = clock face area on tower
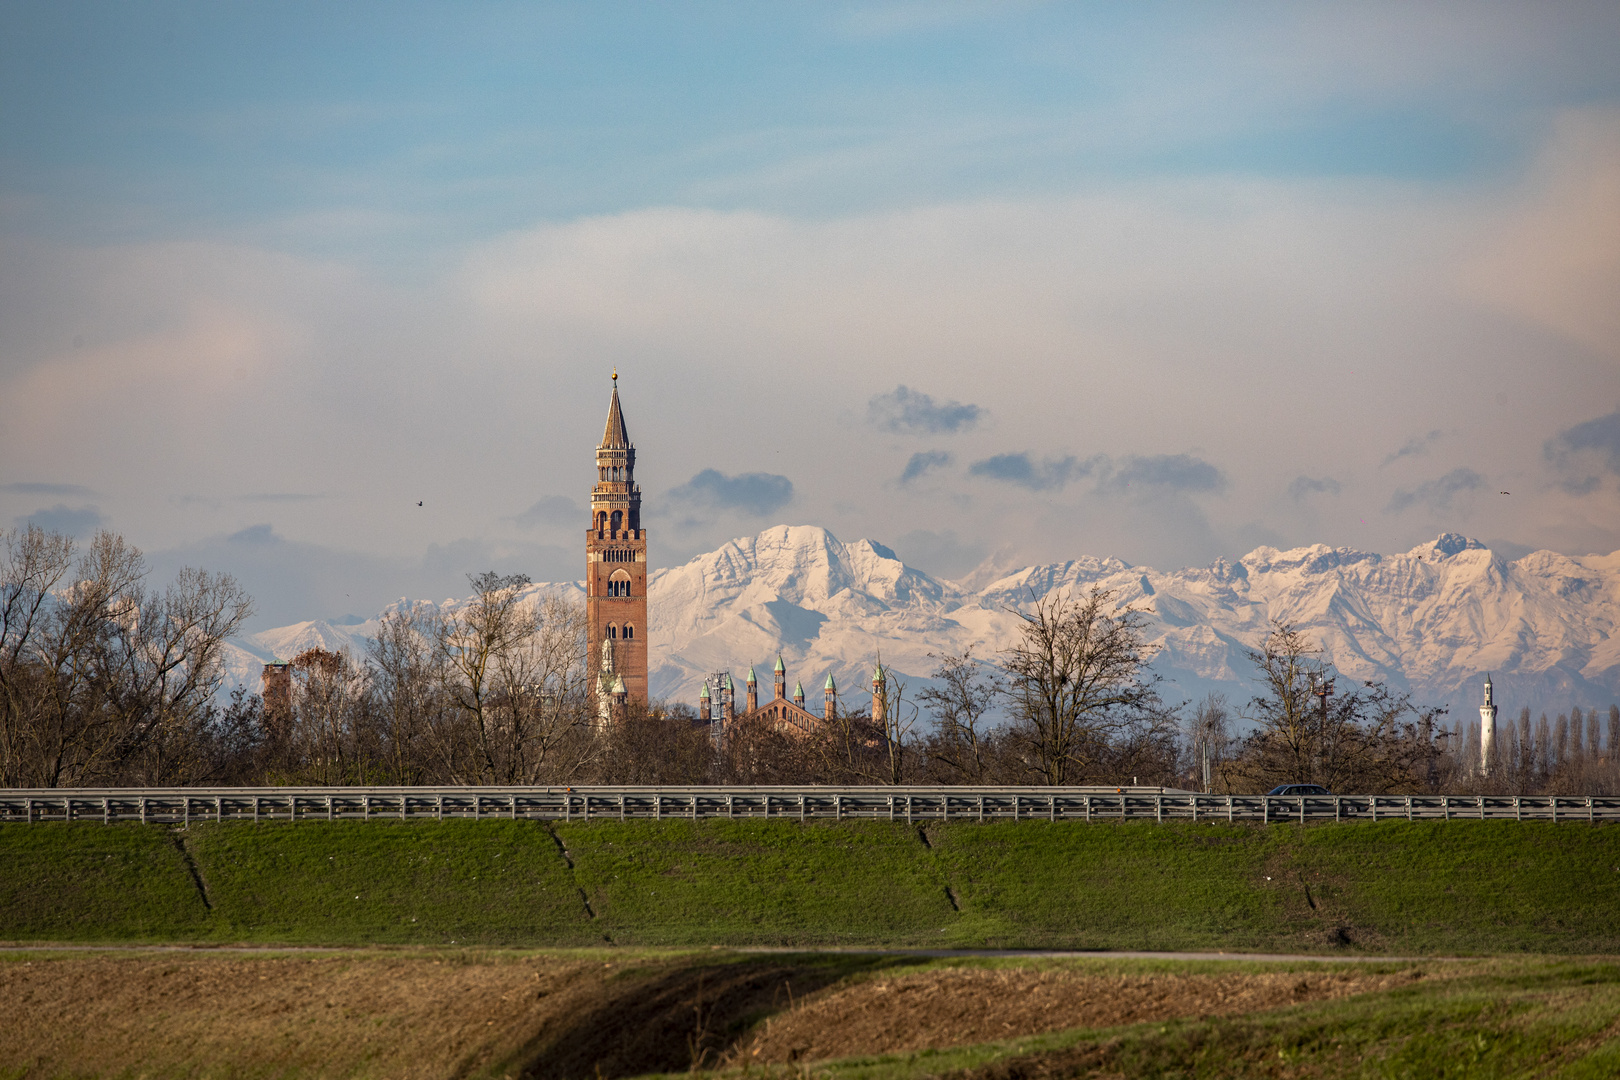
x: 616, y: 566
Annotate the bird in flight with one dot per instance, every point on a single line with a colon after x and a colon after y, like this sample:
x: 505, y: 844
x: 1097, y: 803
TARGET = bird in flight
x: 419, y: 502
x: 1503, y: 493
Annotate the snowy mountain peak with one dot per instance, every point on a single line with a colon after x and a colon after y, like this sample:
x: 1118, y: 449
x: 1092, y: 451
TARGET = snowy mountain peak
x: 1431, y: 620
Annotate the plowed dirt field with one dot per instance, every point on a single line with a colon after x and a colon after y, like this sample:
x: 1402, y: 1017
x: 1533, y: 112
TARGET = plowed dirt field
x: 581, y: 1014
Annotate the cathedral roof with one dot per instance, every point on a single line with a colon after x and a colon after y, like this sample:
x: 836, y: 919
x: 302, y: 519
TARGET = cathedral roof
x: 615, y: 437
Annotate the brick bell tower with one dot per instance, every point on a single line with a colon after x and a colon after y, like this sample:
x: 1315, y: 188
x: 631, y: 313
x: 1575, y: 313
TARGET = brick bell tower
x: 616, y: 566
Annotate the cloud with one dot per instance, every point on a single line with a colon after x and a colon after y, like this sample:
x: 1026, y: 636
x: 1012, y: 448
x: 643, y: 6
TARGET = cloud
x: 912, y: 412
x: 74, y: 521
x: 756, y: 494
x: 1308, y: 485
x: 1573, y: 449
x: 254, y: 534
x: 1052, y: 474
x: 923, y: 462
x: 1156, y: 473
x: 943, y: 553
x: 1437, y: 494
x: 279, y: 497
x: 1165, y: 472
x: 552, y: 510
x: 29, y: 488
x: 1417, y: 444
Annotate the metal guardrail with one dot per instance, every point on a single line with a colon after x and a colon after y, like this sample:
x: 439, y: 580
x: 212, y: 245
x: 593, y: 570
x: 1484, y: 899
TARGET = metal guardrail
x: 185, y: 805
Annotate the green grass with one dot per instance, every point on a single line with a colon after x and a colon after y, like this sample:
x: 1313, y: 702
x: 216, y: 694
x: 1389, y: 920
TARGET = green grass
x: 1397, y: 887
x: 86, y: 882
x: 765, y: 882
x: 463, y: 882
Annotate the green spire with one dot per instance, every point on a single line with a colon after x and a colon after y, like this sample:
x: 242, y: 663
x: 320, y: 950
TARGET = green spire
x: 751, y: 677
x: 830, y: 685
x: 728, y: 685
x: 798, y: 689
x: 779, y: 666
x: 704, y: 693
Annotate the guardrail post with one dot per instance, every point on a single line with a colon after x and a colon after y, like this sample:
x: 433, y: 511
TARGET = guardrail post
x: 1409, y: 808
x: 1589, y: 809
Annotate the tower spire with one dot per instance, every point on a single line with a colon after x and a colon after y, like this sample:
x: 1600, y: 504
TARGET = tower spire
x: 616, y: 560
x: 614, y: 436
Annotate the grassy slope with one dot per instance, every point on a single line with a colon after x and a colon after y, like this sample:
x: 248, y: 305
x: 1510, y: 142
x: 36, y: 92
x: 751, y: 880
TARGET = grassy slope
x: 1426, y: 887
x: 86, y: 882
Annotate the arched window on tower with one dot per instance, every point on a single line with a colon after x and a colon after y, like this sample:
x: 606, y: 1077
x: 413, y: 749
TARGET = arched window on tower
x: 613, y: 631
x: 619, y: 584
x: 629, y: 631
x: 618, y: 520
x: 601, y: 521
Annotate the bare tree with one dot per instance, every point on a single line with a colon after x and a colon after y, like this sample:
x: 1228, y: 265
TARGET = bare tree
x: 1366, y: 738
x: 963, y: 693
x: 98, y: 677
x: 1208, y: 739
x: 409, y: 697
x: 514, y: 671
x: 1077, y: 681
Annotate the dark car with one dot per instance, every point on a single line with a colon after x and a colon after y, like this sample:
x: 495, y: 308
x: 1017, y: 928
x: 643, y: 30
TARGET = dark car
x: 1299, y: 789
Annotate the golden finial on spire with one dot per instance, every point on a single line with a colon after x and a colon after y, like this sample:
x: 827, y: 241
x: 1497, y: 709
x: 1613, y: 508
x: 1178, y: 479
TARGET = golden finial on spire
x: 615, y: 375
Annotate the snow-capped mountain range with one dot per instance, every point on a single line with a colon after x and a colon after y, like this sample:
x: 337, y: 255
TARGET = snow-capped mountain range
x: 1433, y: 620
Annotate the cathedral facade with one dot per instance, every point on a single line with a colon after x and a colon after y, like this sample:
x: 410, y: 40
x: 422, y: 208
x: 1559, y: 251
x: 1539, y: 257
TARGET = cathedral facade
x: 616, y: 570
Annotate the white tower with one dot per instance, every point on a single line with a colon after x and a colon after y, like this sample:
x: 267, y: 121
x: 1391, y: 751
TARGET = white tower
x: 1487, y: 730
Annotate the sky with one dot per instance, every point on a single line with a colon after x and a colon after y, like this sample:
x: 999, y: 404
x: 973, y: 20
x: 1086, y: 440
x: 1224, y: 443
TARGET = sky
x: 982, y: 282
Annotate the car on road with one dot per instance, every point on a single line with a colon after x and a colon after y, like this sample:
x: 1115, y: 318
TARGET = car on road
x: 1299, y: 789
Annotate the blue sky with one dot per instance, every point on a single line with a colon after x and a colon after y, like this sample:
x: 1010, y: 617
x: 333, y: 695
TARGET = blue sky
x: 1200, y: 272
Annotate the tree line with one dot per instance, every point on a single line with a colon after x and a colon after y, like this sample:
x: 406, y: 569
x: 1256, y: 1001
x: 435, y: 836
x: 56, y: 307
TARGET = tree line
x: 106, y: 682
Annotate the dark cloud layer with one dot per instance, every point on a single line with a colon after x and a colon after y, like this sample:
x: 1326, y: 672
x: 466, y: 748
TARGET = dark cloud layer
x: 552, y: 510
x: 1417, y: 444
x: 1574, y: 451
x: 912, y: 412
x: 76, y: 521
x: 34, y: 488
x: 1437, y: 494
x: 924, y: 462
x: 1051, y: 474
x: 1310, y: 485
x: 1163, y: 472
x: 756, y: 494
x: 1154, y: 473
